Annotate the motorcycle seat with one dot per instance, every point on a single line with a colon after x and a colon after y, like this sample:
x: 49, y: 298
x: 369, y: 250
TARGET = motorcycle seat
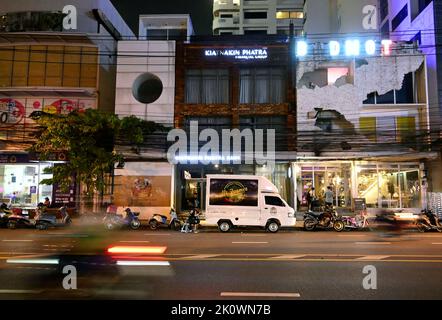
x: 313, y: 213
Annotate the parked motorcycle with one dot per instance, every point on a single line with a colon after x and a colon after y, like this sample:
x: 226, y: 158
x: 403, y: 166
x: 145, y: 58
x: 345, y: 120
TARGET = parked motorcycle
x: 358, y: 222
x: 5, y: 212
x: 159, y: 220
x: 112, y: 221
x: 428, y: 221
x: 43, y: 220
x: 324, y: 220
x: 16, y: 220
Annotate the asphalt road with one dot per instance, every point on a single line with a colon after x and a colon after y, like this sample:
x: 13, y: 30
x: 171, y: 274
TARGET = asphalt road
x: 248, y: 264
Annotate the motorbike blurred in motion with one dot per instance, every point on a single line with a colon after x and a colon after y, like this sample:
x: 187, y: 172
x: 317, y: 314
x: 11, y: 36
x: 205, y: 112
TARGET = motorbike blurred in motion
x: 324, y: 220
x: 159, y: 220
x: 390, y: 223
x: 428, y: 221
x: 112, y: 220
x: 5, y: 212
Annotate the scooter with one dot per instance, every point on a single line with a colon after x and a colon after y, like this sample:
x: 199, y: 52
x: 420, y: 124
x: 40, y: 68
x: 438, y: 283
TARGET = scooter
x: 112, y: 221
x: 357, y: 222
x: 44, y: 220
x: 192, y: 222
x: 428, y: 221
x: 159, y: 220
x: 313, y: 220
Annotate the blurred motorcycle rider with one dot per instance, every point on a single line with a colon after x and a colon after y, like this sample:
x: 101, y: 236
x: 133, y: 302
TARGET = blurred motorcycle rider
x: 430, y: 218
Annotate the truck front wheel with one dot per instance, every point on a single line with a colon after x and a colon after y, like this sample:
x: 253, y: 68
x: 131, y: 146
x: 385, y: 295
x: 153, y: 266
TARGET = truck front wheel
x: 272, y: 226
x: 224, y: 226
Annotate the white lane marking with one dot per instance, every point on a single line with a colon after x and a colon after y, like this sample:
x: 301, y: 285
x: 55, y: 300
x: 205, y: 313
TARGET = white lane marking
x: 372, y: 257
x: 138, y: 241
x: 202, y: 256
x: 6, y: 291
x: 17, y: 240
x: 249, y: 242
x: 33, y: 261
x: 260, y: 294
x: 425, y: 236
x: 437, y: 243
x: 289, y: 256
x: 368, y: 242
x: 142, y: 263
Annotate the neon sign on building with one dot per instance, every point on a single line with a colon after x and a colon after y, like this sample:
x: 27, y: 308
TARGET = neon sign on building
x: 348, y: 48
x: 240, y: 54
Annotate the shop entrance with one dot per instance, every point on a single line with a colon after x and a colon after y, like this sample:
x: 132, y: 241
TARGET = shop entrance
x: 336, y: 175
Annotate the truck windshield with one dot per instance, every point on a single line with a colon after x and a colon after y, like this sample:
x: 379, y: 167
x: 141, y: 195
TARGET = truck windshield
x: 274, y: 201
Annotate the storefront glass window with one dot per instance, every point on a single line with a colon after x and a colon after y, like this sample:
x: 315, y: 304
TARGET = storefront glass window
x: 389, y: 192
x: 368, y: 186
x: 278, y: 175
x: 20, y: 184
x: 410, y: 187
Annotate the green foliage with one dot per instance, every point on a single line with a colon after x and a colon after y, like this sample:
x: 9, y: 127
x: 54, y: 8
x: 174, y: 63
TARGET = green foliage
x: 88, y: 139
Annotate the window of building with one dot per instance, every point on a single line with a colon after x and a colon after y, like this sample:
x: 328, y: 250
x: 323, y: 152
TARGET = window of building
x: 417, y: 38
x: 21, y: 183
x: 367, y: 127
x: 406, y: 95
x: 254, y: 31
x: 296, y: 15
x: 207, y: 86
x: 262, y: 85
x: 406, y: 130
x: 52, y: 65
x: 399, y: 18
x: 289, y: 15
x: 389, y: 185
x: 385, y: 29
x: 226, y: 16
x: 282, y: 15
x: 417, y: 6
x: 383, y: 9
x: 255, y: 15
x: 274, y: 201
x: 333, y: 74
x: 277, y: 123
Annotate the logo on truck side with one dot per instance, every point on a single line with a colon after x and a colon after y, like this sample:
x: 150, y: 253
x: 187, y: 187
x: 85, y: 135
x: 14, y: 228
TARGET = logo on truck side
x: 234, y: 192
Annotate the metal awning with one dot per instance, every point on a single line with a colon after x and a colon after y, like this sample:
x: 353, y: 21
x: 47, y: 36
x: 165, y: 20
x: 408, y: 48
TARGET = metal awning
x: 6, y: 92
x: 44, y: 37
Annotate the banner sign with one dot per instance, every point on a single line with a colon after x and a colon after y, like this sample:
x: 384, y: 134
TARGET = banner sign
x: 227, y: 192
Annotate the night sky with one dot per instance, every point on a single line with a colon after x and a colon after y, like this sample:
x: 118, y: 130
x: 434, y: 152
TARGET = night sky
x: 199, y: 10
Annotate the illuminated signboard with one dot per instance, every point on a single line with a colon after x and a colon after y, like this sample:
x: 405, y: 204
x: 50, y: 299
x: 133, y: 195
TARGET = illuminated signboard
x: 348, y: 48
x: 239, y: 54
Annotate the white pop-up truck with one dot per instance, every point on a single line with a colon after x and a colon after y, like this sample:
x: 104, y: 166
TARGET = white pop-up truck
x: 242, y: 200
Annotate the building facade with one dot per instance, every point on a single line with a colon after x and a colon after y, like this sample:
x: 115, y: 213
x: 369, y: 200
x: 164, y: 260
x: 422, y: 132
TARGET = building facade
x: 363, y: 125
x: 420, y: 21
x: 46, y: 68
x: 257, y: 16
x: 235, y: 84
